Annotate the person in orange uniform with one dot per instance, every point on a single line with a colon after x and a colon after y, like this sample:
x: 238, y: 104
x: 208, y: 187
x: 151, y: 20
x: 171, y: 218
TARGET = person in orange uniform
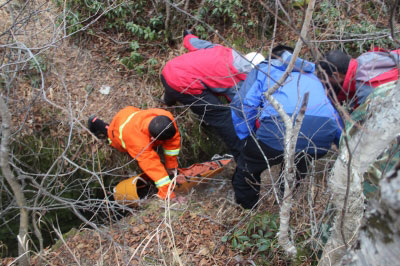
x: 137, y: 132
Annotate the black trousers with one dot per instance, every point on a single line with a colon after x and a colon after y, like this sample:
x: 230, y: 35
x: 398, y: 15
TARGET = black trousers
x: 211, y: 110
x: 251, y: 163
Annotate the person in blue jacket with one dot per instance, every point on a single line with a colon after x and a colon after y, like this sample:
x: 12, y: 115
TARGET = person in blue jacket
x: 264, y: 143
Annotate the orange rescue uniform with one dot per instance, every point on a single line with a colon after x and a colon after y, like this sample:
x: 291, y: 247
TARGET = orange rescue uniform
x: 129, y: 132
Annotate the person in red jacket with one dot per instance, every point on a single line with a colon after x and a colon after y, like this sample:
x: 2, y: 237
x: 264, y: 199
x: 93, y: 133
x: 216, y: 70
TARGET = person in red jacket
x: 137, y: 132
x: 354, y: 79
x: 197, y: 78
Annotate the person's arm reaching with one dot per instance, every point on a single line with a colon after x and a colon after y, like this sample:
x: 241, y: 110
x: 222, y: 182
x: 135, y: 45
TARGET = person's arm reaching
x: 171, y: 151
x: 193, y: 43
x: 150, y: 163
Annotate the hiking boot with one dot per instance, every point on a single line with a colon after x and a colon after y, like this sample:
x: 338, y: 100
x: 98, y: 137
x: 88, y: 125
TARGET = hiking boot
x: 98, y: 127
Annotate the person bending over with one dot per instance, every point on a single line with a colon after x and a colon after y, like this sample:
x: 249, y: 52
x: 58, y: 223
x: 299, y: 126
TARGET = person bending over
x: 138, y: 132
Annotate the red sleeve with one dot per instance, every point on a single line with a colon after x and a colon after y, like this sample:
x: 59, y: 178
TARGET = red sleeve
x: 378, y: 49
x: 349, y: 84
x: 187, y: 44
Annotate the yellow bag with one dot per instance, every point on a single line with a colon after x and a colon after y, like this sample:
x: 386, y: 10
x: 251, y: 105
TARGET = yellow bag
x: 127, y: 190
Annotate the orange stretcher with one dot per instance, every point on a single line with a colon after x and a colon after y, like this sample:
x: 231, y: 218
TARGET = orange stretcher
x: 140, y: 186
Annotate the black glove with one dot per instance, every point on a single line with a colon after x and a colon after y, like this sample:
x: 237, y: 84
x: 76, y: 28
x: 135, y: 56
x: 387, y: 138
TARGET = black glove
x: 186, y: 32
x: 98, y: 127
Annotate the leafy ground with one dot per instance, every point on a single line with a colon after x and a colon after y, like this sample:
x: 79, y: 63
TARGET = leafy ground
x: 180, y: 234
x: 188, y: 233
x: 76, y: 70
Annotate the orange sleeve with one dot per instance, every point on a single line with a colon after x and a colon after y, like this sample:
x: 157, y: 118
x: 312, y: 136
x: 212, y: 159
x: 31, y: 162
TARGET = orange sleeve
x: 171, y: 150
x: 149, y: 162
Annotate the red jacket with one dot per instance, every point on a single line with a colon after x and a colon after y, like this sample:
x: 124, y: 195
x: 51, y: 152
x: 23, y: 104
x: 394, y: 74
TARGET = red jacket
x: 206, y: 66
x: 129, y: 132
x: 367, y: 72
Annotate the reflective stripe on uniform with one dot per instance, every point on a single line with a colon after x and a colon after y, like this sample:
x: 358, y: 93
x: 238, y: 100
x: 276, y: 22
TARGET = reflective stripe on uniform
x: 171, y: 152
x: 122, y: 127
x: 163, y: 181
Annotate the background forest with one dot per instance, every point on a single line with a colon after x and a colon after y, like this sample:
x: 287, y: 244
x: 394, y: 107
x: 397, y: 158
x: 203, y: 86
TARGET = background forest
x: 62, y: 61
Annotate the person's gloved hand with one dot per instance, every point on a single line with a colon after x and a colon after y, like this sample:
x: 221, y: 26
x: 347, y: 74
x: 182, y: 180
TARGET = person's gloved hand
x: 173, y: 172
x: 186, y: 32
x: 163, y: 192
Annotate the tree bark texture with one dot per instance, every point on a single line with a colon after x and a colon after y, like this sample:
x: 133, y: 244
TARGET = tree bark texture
x: 380, y: 235
x: 288, y: 175
x: 382, y: 125
x: 291, y: 134
x: 14, y: 184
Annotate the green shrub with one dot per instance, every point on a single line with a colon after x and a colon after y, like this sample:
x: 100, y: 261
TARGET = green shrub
x: 257, y: 236
x: 128, y: 16
x: 362, y: 34
x: 81, y: 12
x: 144, y: 32
x: 226, y: 9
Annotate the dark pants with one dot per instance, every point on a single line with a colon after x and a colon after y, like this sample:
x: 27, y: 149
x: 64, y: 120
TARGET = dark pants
x: 211, y: 110
x: 251, y: 163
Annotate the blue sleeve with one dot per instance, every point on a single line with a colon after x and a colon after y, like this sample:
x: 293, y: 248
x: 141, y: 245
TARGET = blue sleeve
x: 299, y: 65
x: 245, y: 104
x: 337, y: 137
x: 338, y: 130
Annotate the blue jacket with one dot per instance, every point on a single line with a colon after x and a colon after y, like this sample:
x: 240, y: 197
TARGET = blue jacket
x: 321, y: 122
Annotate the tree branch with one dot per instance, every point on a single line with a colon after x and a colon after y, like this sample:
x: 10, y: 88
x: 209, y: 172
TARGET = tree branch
x: 15, y: 186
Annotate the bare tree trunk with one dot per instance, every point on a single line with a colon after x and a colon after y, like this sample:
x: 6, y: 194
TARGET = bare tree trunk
x: 15, y: 186
x: 365, y: 146
x: 291, y: 134
x: 380, y: 237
